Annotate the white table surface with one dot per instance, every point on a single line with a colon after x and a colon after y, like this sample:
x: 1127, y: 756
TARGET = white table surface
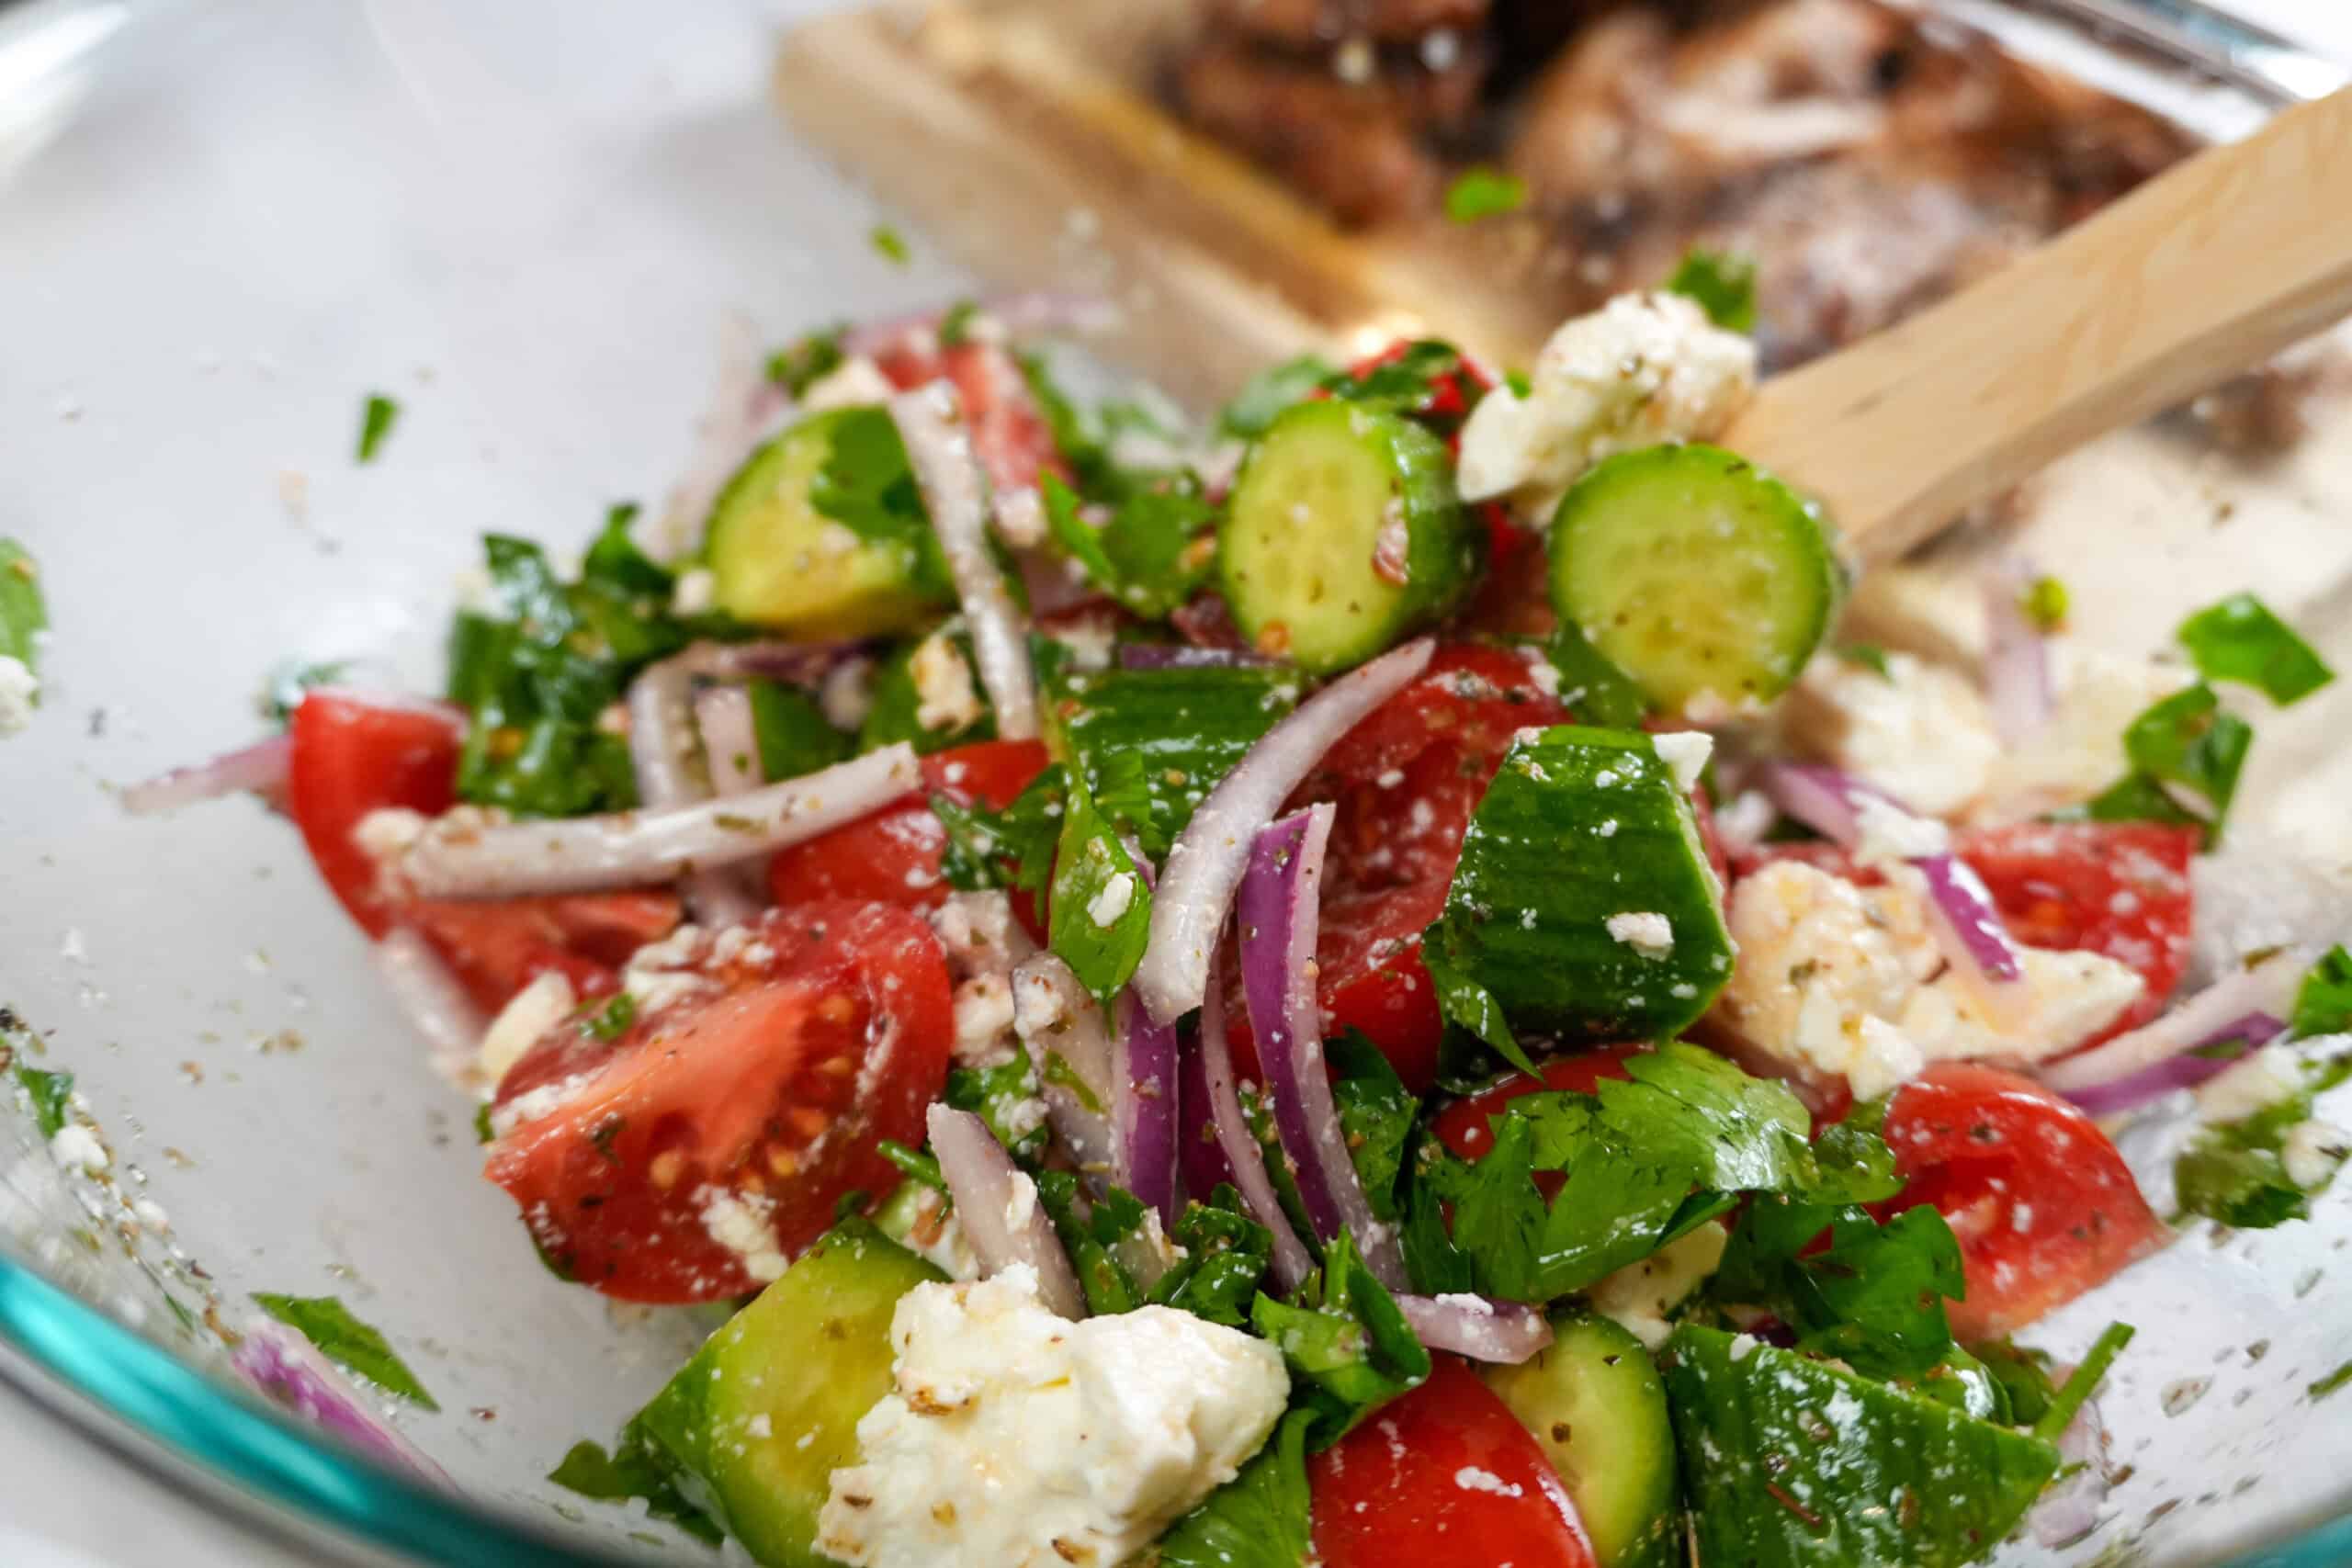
x: 64, y: 1503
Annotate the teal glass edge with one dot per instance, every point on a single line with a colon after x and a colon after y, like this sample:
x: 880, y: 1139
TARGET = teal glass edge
x: 268, y: 1455
x: 164, y: 1398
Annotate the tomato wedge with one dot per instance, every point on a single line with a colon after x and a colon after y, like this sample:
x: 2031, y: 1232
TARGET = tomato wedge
x: 2120, y: 890
x: 1464, y: 1126
x: 1406, y: 781
x: 498, y: 946
x: 893, y: 855
x: 688, y: 1159
x: 1445, y: 1475
x: 355, y: 755
x: 2042, y: 1205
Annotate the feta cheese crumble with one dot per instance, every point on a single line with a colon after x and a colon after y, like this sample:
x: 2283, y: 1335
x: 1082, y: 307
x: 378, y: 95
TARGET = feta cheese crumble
x: 1685, y: 754
x: 945, y: 695
x: 19, y: 688
x: 1015, y: 1439
x: 1919, y: 732
x: 1644, y: 368
x: 1651, y: 935
x: 537, y: 1007
x: 1105, y: 908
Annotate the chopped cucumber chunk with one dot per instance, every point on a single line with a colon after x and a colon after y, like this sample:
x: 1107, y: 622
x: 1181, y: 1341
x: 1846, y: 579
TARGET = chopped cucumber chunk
x: 1594, y: 1402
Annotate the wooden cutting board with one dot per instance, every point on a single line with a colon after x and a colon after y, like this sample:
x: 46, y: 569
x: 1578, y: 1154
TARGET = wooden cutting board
x: 1015, y: 132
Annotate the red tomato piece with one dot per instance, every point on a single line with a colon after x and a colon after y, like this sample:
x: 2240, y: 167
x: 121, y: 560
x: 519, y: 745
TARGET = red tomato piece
x: 354, y: 755
x: 499, y: 946
x: 2117, y: 888
x: 1445, y: 1475
x: 1463, y: 1127
x: 893, y: 855
x: 2042, y: 1205
x: 685, y: 1161
x: 1010, y: 435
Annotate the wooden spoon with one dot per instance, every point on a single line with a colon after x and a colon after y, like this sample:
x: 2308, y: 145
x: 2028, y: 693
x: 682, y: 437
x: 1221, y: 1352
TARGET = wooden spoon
x: 2206, y: 270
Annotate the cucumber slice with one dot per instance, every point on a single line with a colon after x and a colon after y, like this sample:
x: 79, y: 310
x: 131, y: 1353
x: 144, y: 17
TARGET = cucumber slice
x: 1343, y: 533
x: 782, y: 549
x: 1190, y: 725
x: 1697, y: 573
x: 1798, y: 1463
x: 1595, y: 1403
x: 1584, y: 842
x: 769, y: 1407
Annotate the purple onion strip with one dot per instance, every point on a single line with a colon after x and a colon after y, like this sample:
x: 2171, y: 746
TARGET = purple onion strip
x: 432, y: 1000
x: 1205, y: 865
x: 2017, y: 656
x: 260, y: 767
x: 1070, y: 1045
x: 1481, y: 1327
x: 2269, y: 988
x: 1145, y: 1108
x: 1967, y: 925
x: 1279, y: 912
x: 997, y: 1204
x: 1200, y: 1155
x: 282, y: 1364
x: 1243, y: 1155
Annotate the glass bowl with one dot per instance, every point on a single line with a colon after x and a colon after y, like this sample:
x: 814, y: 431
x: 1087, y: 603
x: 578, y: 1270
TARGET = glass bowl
x: 541, y: 227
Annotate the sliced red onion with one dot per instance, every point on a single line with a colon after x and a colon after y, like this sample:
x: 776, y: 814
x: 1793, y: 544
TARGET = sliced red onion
x: 1070, y: 1045
x: 954, y: 491
x: 2069, y: 1511
x: 431, y: 997
x: 1020, y: 315
x: 1481, y: 1327
x: 630, y: 849
x: 795, y: 664
x: 1823, y: 798
x: 662, y: 747
x: 2017, y: 656
x: 1144, y: 1108
x: 1243, y: 1156
x: 1967, y: 926
x: 2269, y: 988
x: 1204, y: 867
x: 2184, y: 1071
x: 1184, y: 656
x: 997, y: 1204
x: 1279, y: 913
x: 260, y: 768
x: 283, y: 1365
x: 1200, y: 1156
x: 726, y: 895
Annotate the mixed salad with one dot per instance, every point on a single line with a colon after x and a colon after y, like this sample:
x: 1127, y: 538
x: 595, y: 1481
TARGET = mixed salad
x: 1366, y: 984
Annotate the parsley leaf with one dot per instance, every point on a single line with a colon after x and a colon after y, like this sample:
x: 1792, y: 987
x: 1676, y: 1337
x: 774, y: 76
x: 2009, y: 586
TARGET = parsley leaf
x: 1869, y: 656
x: 51, y: 1095
x: 1271, y: 391
x: 350, y: 1344
x: 2236, y: 1172
x: 2044, y: 603
x: 1470, y: 1006
x: 1423, y: 377
x: 889, y: 245
x: 791, y: 732
x: 1259, y: 1519
x: 2239, y: 639
x: 1099, y: 913
x: 1724, y: 284
x: 1152, y: 554
x: 806, y: 360
x: 2181, y: 745
x: 2083, y: 1382
x: 377, y: 418
x: 1225, y: 1255
x: 955, y: 324
x: 1004, y: 1096
x: 1349, y: 1347
x: 2324, y: 1001
x: 1376, y: 1114
x: 1091, y: 1238
x: 1484, y: 193
x: 282, y: 689
x: 867, y: 486
x: 24, y: 615
x: 636, y: 1468
x: 609, y: 1021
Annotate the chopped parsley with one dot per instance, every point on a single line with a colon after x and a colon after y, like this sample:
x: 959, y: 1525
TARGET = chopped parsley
x: 2324, y: 1001
x: 376, y: 421
x: 889, y: 245
x: 806, y: 360
x: 2182, y: 748
x: 24, y: 613
x: 1271, y: 391
x: 1484, y: 193
x: 956, y: 325
x: 2239, y: 639
x: 914, y: 1164
x: 1099, y: 913
x: 1869, y: 656
x: 1349, y: 1347
x: 350, y: 1344
x: 610, y: 1019
x: 1004, y: 1096
x: 1152, y: 552
x: 2321, y: 1388
x: 636, y: 1468
x: 2044, y: 604
x: 1724, y: 285
x: 51, y: 1095
x: 1225, y: 1255
x: 1259, y: 1519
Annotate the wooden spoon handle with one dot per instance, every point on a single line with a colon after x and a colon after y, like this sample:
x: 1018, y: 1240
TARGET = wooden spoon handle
x: 2206, y: 270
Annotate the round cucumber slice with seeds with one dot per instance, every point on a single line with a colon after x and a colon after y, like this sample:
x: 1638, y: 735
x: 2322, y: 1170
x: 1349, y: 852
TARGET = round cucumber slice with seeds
x: 1343, y: 534
x: 1699, y: 575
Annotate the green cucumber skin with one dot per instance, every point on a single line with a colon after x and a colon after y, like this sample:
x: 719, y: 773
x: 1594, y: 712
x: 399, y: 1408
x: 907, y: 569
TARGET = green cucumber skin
x: 772, y: 565
x: 1596, y: 1405
x: 1527, y: 916
x: 1367, y: 613
x: 811, y: 1353
x: 1751, y: 592
x: 1791, y: 1462
x: 1190, y: 725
